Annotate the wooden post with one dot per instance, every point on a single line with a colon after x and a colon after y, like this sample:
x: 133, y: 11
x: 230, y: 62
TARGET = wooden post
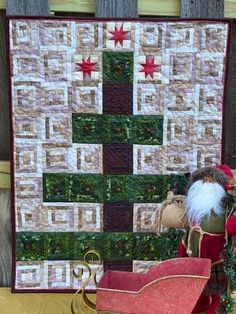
x: 5, y: 154
x: 28, y: 7
x: 230, y: 107
x: 5, y: 142
x: 202, y: 9
x: 116, y: 8
x: 5, y: 238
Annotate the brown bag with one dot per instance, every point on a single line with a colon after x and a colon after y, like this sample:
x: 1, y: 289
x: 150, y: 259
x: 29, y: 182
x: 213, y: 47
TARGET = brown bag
x: 173, y: 213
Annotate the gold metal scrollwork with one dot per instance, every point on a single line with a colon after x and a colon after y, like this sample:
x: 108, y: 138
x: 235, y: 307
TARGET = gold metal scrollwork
x: 89, y: 258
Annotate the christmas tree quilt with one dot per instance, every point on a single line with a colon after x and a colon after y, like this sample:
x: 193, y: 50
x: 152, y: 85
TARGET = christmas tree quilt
x: 107, y: 117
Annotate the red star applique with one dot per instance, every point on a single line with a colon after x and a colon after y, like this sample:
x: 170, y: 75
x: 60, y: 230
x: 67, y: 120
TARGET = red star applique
x: 150, y: 67
x: 86, y: 66
x: 119, y: 35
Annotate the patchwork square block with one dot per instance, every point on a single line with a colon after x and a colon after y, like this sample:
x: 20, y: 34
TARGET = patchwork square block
x: 118, y: 217
x: 30, y: 275
x: 59, y: 218
x: 118, y: 67
x: 147, y: 130
x: 118, y: 98
x: 25, y: 34
x: 148, y: 159
x: 87, y: 128
x: 85, y: 99
x: 149, y: 99
x: 58, y: 274
x: 26, y: 98
x: 29, y: 216
x: 85, y: 241
x: 119, y: 35
x: 78, y: 282
x: 117, y: 265
x: 90, y: 217
x: 31, y: 246
x: 116, y: 128
x: 145, y: 217
x: 152, y: 36
x: 118, y: 246
x: 117, y: 159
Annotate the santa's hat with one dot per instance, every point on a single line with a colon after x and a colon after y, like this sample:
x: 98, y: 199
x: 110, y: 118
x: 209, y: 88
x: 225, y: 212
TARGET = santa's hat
x: 218, y: 176
x: 226, y: 170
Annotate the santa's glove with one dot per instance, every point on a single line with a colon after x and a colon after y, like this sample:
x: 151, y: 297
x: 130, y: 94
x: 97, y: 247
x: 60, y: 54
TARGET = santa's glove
x: 231, y: 225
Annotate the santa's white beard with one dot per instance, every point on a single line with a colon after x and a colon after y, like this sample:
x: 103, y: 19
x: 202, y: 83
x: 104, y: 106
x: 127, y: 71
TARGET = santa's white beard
x: 202, y: 199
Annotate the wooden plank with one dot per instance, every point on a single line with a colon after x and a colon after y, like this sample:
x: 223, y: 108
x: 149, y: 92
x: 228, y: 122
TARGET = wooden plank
x: 73, y: 5
x: 5, y: 208
x: 5, y: 238
x: 230, y: 8
x: 116, y: 8
x: 28, y: 7
x: 5, y: 174
x: 5, y: 142
x: 230, y: 112
x: 145, y: 7
x: 159, y: 7
x: 202, y: 9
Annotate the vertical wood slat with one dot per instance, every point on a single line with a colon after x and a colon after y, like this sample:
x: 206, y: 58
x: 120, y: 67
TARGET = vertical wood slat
x: 28, y: 7
x: 230, y: 105
x: 5, y: 238
x: 5, y: 143
x: 202, y: 9
x: 5, y: 154
x: 116, y: 8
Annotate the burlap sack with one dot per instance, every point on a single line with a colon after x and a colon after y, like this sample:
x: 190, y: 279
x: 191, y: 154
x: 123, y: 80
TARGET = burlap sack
x: 173, y: 212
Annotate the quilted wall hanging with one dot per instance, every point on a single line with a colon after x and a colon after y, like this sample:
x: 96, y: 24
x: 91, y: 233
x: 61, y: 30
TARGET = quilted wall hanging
x: 107, y: 117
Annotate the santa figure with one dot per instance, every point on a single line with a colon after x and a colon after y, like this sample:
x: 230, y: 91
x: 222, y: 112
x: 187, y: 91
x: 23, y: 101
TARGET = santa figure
x: 212, y: 220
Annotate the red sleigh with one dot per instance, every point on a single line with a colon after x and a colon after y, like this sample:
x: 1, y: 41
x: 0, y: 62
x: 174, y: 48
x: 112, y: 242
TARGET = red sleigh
x: 171, y: 287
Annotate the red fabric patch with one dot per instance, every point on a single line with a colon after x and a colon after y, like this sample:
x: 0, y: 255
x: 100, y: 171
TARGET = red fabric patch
x: 215, y: 304
x: 182, y: 250
x: 119, y: 35
x: 231, y: 225
x: 202, y: 304
x: 212, y: 246
x: 226, y: 170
